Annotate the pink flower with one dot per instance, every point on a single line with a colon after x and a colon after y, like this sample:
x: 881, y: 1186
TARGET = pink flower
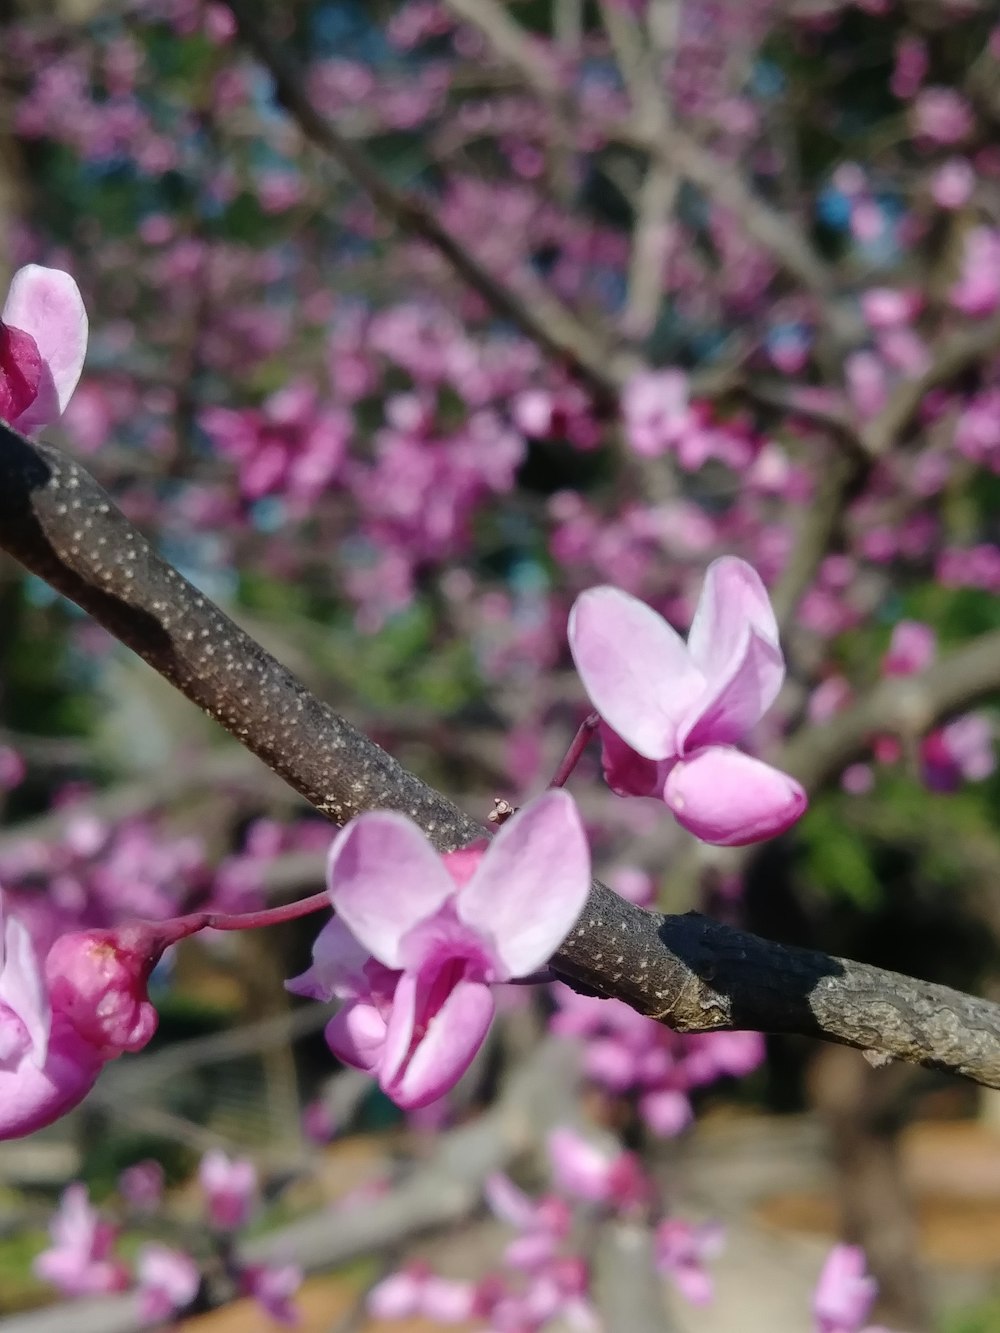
x: 415, y: 1291
x: 230, y: 1188
x: 911, y: 649
x: 273, y: 1289
x: 44, y: 1068
x: 78, y: 1263
x: 543, y: 1224
x: 419, y: 939
x: 585, y: 1171
x: 60, y: 1024
x: 168, y: 1282
x: 671, y: 711
x: 43, y: 342
x: 942, y: 115
x: 844, y: 1293
x: 681, y: 1250
x: 141, y: 1185
x: 977, y: 291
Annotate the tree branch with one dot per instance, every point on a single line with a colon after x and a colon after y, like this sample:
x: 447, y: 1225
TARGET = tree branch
x: 534, y: 310
x: 690, y: 973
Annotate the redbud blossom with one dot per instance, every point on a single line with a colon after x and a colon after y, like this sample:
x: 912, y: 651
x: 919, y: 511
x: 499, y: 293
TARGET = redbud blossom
x: 43, y: 342
x: 169, y: 1281
x: 844, y: 1293
x: 79, y: 1261
x: 681, y: 1250
x: 671, y: 711
x: 419, y: 939
x: 230, y: 1188
x: 59, y: 1024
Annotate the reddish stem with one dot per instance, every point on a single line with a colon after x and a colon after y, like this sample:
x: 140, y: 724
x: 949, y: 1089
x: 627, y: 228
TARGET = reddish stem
x: 576, y: 748
x: 269, y: 916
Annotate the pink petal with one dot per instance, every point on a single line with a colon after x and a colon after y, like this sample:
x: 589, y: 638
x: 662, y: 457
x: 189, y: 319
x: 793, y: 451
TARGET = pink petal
x: 46, y: 303
x: 732, y: 598
x: 20, y: 372
x: 509, y: 1203
x: 628, y: 773
x: 356, y: 1035
x: 451, y: 1038
x: 726, y: 797
x: 635, y: 668
x: 22, y: 987
x: 531, y: 884
x: 337, y: 966
x: 736, y: 702
x: 384, y: 877
x: 734, y: 642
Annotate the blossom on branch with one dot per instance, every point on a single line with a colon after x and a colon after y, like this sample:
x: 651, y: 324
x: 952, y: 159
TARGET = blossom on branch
x: 671, y: 711
x: 420, y: 938
x: 43, y: 342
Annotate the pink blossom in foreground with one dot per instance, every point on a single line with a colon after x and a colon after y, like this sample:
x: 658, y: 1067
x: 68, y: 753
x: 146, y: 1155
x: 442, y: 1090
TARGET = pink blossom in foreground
x: 43, y: 342
x: 168, y: 1282
x: 844, y: 1292
x: 419, y: 939
x: 681, y: 1251
x: 79, y: 1261
x: 671, y: 711
x: 60, y: 1023
x: 230, y: 1189
x: 44, y: 1067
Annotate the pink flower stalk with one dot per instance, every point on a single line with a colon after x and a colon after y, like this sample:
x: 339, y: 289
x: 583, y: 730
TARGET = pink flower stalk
x: 419, y: 939
x: 230, y: 1189
x: 43, y: 342
x: 168, y: 1281
x: 844, y: 1292
x: 79, y: 1261
x: 681, y: 1250
x: 671, y: 712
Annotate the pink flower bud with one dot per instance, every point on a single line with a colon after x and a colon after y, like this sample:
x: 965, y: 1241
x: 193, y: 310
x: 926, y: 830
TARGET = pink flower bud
x: 97, y: 979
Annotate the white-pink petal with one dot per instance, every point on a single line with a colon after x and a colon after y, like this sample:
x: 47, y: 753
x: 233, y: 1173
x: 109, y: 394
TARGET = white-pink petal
x: 635, y: 668
x: 733, y: 599
x: 337, y: 966
x: 383, y: 878
x: 726, y: 797
x: 448, y: 1046
x: 46, y: 303
x: 736, y: 700
x: 356, y: 1035
x: 531, y: 884
x: 22, y: 986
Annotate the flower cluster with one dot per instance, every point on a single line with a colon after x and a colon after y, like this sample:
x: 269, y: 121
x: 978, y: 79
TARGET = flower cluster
x: 81, y: 1261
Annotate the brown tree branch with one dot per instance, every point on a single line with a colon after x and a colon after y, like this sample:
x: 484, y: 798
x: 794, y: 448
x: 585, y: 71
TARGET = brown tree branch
x: 693, y: 974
